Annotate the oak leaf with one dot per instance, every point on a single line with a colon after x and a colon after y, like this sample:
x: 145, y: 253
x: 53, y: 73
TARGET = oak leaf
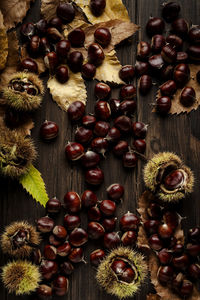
x: 3, y: 43
x: 64, y: 94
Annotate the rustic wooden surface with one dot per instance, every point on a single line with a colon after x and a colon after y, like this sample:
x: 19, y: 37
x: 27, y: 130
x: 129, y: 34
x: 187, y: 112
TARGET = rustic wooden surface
x: 179, y: 134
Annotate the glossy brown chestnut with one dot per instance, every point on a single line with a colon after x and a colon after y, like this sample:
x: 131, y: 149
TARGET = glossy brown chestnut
x: 118, y: 266
x: 188, y: 96
x: 170, y: 11
x: 75, y: 61
x: 163, y: 105
x: 156, y: 62
x: 90, y: 159
x: 141, y: 68
x: 45, y: 46
x: 145, y: 84
x: 143, y: 50
x: 111, y: 240
x: 95, y: 230
x: 89, y: 121
x: 41, y: 27
x: 194, y: 234
x: 127, y: 73
x: 128, y: 275
x: 36, y: 256
x: 28, y: 64
x: 54, y: 241
x: 194, y: 52
x: 76, y: 110
x: 102, y: 36
x: 129, y: 221
x: 139, y: 145
x: 193, y: 249
x: 129, y: 238
x: 60, y: 286
x: 74, y: 151
x: 151, y: 226
x: 102, y: 110
x: 50, y: 252
x: 53, y: 206
x: 169, y: 54
x: 60, y: 232
x: 102, y: 90
x: 180, y: 27
x: 56, y: 22
x: 155, y: 242
x: 115, y: 191
x: 128, y: 107
x: 44, y: 292
x: 88, y: 71
x: 168, y: 88
x: 66, y: 268
x: 62, y: 74
x: 157, y: 43
x: 97, y: 7
x: 139, y: 130
x: 130, y: 159
x: 186, y: 288
x: 123, y: 123
x: 165, y: 274
x: 78, y: 237
x: 83, y: 135
x: 181, y: 57
x: 72, y: 221
x: 113, y: 135
x: 48, y: 269
x: 66, y: 12
x: 94, y: 176
x: 72, y: 202
x: 51, y: 61
x: 154, y: 211
x: 155, y: 26
x: 94, y: 214
x: 194, y: 271
x: 181, y: 74
x: 27, y: 30
x: 174, y: 180
x: 89, y: 198
x: 181, y: 262
x: 165, y: 231
x: 77, y: 37
x: 45, y: 224
x: 109, y: 224
x: 194, y: 34
x: 174, y: 41
x: 76, y: 255
x: 171, y: 218
x: 64, y: 249
x: 62, y: 49
x: 96, y: 256
x: 128, y: 91
x: 108, y: 208
x: 167, y: 72
x: 101, y: 128
x: 99, y: 145
x: 120, y: 148
x: 95, y: 54
x: 165, y: 256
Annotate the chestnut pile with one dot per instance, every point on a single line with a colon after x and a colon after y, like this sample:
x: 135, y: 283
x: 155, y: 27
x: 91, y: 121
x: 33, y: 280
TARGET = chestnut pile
x: 45, y: 39
x: 165, y: 59
x: 179, y: 264
x: 65, y: 243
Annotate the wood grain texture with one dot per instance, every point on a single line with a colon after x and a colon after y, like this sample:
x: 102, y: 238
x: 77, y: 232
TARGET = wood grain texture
x: 179, y: 134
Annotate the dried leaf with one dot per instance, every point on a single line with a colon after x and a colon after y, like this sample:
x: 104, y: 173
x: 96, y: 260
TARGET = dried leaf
x: 39, y: 60
x: 64, y: 94
x: 114, y: 10
x: 153, y: 297
x: 109, y: 70
x: 177, y: 107
x: 14, y: 11
x: 3, y: 43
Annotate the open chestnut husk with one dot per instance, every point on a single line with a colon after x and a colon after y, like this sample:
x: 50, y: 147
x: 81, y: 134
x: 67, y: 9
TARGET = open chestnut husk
x: 122, y: 272
x: 167, y: 176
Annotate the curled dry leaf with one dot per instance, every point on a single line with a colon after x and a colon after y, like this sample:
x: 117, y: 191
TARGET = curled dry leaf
x: 177, y: 107
x: 3, y: 43
x: 39, y: 60
x: 109, y: 70
x: 114, y: 10
x: 64, y: 94
x: 14, y: 11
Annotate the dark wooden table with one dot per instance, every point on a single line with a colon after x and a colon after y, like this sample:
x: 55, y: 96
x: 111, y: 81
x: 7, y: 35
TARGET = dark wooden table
x: 180, y: 134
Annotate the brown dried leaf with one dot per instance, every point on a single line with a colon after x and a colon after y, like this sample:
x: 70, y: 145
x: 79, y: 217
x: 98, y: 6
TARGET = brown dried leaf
x: 114, y: 10
x: 14, y: 11
x: 39, y: 60
x: 177, y: 107
x: 153, y: 297
x: 64, y: 94
x: 109, y: 70
x: 3, y: 43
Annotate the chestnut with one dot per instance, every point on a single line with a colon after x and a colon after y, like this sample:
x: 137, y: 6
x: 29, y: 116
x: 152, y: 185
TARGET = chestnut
x: 62, y: 49
x: 194, y: 271
x: 128, y: 107
x: 186, y: 288
x: 151, y: 226
x: 128, y: 275
x: 94, y: 214
x: 108, y: 208
x: 36, y: 256
x: 88, y: 71
x: 165, y: 231
x: 94, y: 176
x: 28, y: 64
x: 139, y: 130
x: 97, y: 7
x: 130, y: 159
x: 45, y: 224
x: 194, y: 234
x: 66, y: 12
x: 129, y: 238
x: 167, y: 72
x: 109, y: 224
x: 171, y: 218
x: 75, y: 61
x: 62, y: 74
x: 89, y: 121
x: 89, y: 198
x: 170, y: 11
x: 154, y: 211
x: 111, y: 240
x: 165, y: 256
x: 180, y: 27
x: 129, y: 221
x: 72, y: 221
x: 181, y: 262
x: 157, y: 43
x: 51, y: 61
x: 102, y: 110
x: 155, y: 26
x: 78, y: 237
x: 95, y: 230
x: 74, y: 151
x: 193, y: 249
x: 102, y: 90
x: 155, y: 242
x: 163, y: 105
x: 27, y: 30
x: 118, y: 266
x: 54, y: 241
x: 127, y: 73
x: 143, y: 50
x: 141, y: 68
x: 128, y: 91
x: 41, y: 27
x: 113, y: 135
x: 66, y: 268
x: 194, y: 52
x: 53, y: 206
x: 95, y: 54
x: 115, y: 191
x: 48, y: 269
x: 120, y: 148
x: 77, y: 37
x: 139, y: 145
x: 76, y: 110
x: 99, y: 145
x: 64, y: 249
x: 145, y: 84
x: 45, y: 46
x: 102, y: 36
x: 194, y: 34
x: 53, y: 35
x: 96, y: 256
x: 72, y: 202
x: 76, y: 255
x: 44, y: 292
x: 83, y: 135
x: 181, y: 74
x: 90, y: 159
x: 188, y: 96
x: 174, y: 41
x: 168, y: 54
x: 181, y: 57
x: 101, y: 128
x: 50, y: 252
x: 173, y: 180
x: 60, y: 286
x: 123, y: 123
x: 34, y: 46
x: 156, y: 62
x: 55, y: 22
x: 60, y: 232
x: 168, y: 88
x: 165, y: 274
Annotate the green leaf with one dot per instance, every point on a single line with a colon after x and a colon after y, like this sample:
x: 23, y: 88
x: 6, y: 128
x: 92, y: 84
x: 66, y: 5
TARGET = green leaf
x: 33, y: 183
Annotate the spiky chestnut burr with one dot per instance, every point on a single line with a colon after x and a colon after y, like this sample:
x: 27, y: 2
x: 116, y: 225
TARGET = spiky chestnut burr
x: 19, y: 239
x: 167, y: 176
x: 119, y: 284
x: 16, y: 153
x: 24, y: 91
x: 20, y: 277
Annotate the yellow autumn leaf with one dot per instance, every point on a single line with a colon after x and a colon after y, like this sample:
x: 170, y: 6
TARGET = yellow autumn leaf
x: 3, y: 43
x: 109, y: 70
x: 64, y: 94
x: 115, y: 9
